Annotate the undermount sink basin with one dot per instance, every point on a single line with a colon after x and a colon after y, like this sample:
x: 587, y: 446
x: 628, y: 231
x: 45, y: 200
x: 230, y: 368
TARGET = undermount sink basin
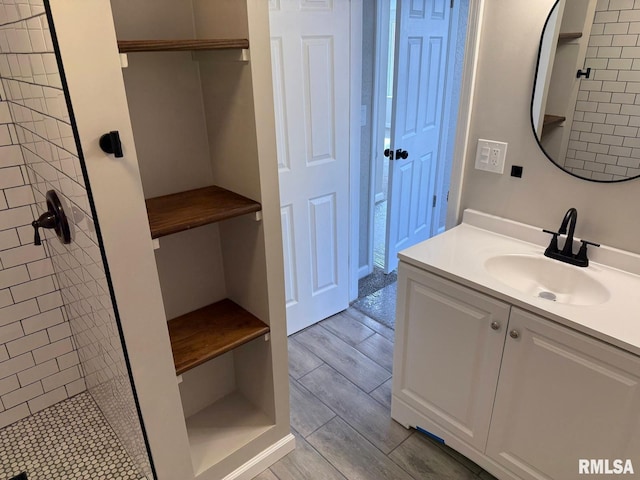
x: 543, y: 277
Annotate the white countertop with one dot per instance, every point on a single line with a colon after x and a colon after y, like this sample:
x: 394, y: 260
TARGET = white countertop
x: 460, y: 253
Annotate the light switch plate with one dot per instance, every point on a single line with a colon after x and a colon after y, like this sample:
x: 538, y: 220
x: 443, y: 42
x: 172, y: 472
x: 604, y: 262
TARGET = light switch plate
x: 491, y: 156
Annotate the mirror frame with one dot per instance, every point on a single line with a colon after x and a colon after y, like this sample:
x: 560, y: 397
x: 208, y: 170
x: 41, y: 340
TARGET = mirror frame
x: 533, y: 127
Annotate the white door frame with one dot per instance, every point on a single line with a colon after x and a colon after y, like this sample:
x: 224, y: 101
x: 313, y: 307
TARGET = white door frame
x: 467, y: 92
x: 467, y: 89
x: 377, y: 116
x: 442, y: 186
x: 354, y: 154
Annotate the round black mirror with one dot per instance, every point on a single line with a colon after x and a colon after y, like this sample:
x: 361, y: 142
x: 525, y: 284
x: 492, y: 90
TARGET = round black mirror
x: 585, y: 108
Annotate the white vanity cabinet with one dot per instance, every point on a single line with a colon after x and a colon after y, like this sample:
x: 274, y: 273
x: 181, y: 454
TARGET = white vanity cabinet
x: 562, y: 396
x: 522, y: 396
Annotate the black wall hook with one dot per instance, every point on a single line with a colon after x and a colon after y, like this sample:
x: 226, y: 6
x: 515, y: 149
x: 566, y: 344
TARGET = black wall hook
x: 110, y: 143
x: 54, y: 218
x: 584, y: 73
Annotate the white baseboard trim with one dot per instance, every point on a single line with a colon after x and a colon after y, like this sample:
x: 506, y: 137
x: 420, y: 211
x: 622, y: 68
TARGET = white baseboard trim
x: 264, y: 459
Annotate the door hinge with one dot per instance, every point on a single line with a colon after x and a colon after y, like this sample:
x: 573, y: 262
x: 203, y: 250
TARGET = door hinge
x: 435, y: 199
x: 447, y: 195
x: 452, y: 3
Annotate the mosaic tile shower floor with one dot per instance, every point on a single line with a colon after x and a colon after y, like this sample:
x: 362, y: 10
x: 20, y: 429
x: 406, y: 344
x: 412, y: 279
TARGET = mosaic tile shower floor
x: 68, y: 441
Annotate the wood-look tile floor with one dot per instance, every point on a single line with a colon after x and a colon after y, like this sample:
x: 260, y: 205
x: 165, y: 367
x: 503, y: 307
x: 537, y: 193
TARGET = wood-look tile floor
x: 340, y: 383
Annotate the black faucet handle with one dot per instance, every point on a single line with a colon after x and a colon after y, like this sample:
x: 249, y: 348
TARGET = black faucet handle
x: 581, y: 256
x: 586, y: 242
x: 553, y: 245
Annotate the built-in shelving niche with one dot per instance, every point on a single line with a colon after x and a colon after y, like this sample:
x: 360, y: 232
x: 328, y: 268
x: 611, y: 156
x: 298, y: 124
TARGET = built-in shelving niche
x: 223, y: 397
x: 222, y: 352
x: 218, y: 348
x: 208, y: 332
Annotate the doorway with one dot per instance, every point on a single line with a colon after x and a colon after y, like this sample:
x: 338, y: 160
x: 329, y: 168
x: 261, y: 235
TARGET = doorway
x: 411, y: 205
x: 382, y: 108
x: 333, y: 238
x: 446, y: 43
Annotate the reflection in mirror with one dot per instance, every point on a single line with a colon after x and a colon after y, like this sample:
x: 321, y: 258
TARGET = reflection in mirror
x: 585, y: 109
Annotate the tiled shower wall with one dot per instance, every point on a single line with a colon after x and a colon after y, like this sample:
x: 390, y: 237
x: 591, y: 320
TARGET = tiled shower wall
x: 604, y: 143
x: 38, y: 109
x: 38, y: 364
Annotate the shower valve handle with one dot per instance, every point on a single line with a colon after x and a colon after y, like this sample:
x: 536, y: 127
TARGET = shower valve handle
x: 53, y: 218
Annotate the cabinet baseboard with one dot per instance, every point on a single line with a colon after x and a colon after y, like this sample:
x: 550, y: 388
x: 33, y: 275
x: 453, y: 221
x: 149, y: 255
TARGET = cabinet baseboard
x: 410, y: 418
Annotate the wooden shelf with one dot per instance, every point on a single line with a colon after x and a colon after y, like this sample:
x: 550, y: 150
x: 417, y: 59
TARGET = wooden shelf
x: 553, y: 120
x: 181, y: 211
x: 569, y: 36
x: 131, y: 46
x: 199, y: 336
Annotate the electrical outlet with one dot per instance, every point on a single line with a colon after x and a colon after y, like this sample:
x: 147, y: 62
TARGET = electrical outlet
x: 491, y: 156
x: 495, y: 156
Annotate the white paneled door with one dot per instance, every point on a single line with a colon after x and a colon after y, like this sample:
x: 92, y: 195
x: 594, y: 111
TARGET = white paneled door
x: 311, y: 80
x: 422, y: 33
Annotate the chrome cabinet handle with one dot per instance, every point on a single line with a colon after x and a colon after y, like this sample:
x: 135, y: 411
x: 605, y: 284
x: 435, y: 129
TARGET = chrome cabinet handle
x: 495, y: 325
x: 514, y: 334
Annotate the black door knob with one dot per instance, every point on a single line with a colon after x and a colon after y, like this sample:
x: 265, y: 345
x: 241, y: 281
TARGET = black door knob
x: 110, y: 143
x: 403, y: 154
x: 388, y: 153
x: 54, y: 218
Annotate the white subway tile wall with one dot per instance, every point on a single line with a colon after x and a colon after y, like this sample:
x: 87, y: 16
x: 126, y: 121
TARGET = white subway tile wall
x: 604, y: 143
x: 44, y: 358
x: 32, y: 320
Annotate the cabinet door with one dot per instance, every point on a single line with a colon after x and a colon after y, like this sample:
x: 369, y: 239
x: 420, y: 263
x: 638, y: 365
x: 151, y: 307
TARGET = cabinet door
x: 447, y: 354
x: 562, y: 397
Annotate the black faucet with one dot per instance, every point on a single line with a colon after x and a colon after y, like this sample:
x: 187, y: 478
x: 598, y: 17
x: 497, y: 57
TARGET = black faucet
x: 570, y: 218
x: 566, y: 254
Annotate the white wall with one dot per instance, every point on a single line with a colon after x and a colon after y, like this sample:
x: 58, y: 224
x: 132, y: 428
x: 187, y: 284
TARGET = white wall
x: 501, y: 111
